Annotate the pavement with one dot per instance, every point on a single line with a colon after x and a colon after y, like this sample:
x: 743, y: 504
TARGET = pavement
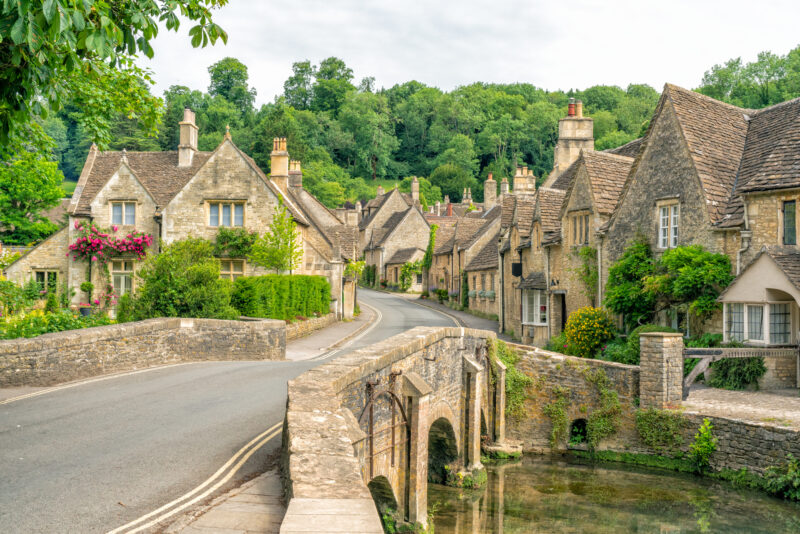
x: 135, y: 451
x: 775, y: 407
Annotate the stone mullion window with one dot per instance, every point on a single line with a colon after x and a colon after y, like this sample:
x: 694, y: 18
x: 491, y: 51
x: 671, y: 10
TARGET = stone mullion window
x: 46, y: 278
x: 123, y: 213
x: 780, y: 323
x: 122, y: 276
x: 231, y: 269
x: 226, y: 214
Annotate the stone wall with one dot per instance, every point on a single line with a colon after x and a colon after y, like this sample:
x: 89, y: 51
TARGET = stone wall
x: 300, y: 329
x: 64, y: 356
x: 781, y: 373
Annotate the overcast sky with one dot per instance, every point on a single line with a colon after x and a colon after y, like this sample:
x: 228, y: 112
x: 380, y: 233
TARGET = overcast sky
x: 552, y: 44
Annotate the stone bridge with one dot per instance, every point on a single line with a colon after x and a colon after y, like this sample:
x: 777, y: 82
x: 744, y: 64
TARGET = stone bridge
x: 371, y: 427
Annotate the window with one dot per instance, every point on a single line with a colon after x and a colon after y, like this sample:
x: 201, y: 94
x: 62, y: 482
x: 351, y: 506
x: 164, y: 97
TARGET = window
x: 419, y: 278
x: 231, y: 269
x: 789, y: 223
x: 483, y: 282
x: 123, y: 213
x: 122, y: 277
x: 46, y: 279
x: 735, y: 324
x: 492, y: 288
x: 755, y: 322
x: 780, y: 319
x: 668, y: 226
x: 534, y: 305
x: 225, y: 214
x: 580, y: 229
x: 475, y: 282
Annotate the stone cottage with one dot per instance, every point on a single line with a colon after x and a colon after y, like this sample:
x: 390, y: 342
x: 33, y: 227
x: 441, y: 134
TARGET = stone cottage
x: 187, y: 192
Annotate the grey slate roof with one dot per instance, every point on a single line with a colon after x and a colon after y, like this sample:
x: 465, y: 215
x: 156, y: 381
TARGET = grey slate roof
x: 403, y: 255
x: 487, y: 258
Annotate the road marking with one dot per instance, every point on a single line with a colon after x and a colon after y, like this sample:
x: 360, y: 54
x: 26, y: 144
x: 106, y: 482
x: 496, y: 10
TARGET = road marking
x: 89, y: 381
x: 453, y: 318
x: 245, y: 453
x: 336, y: 351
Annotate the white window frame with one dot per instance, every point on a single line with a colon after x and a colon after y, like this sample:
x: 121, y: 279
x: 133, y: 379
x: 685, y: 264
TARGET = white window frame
x: 540, y: 298
x: 124, y: 270
x: 221, y: 205
x: 668, y: 216
x: 766, y: 334
x: 230, y: 273
x: 127, y: 207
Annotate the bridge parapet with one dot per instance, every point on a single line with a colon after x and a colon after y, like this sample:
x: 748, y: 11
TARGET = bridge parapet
x: 366, y: 417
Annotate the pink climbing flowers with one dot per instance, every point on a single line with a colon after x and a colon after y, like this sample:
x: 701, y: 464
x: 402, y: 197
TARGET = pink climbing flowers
x: 100, y: 245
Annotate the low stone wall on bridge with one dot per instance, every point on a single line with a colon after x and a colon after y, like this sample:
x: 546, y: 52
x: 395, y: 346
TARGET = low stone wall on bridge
x: 338, y: 433
x: 300, y: 329
x: 60, y: 357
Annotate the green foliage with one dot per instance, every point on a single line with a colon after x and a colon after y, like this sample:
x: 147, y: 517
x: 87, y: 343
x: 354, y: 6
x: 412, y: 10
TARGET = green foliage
x: 429, y: 194
x: 37, y: 323
x: 234, y: 242
x: 407, y: 272
x: 588, y: 272
x: 87, y: 287
x: 354, y: 269
x: 625, y: 293
x: 370, y: 275
x: 661, y: 430
x: 183, y: 281
x: 783, y: 480
x: 280, y: 247
x: 125, y: 309
x: 587, y: 330
x: 51, y: 302
x: 7, y: 258
x: 633, y: 346
x: 737, y: 373
x: 460, y: 479
x: 229, y: 80
x: 517, y: 382
x: 427, y: 259
x: 12, y: 298
x: 441, y: 295
x: 617, y: 350
x: 280, y: 296
x: 703, y: 447
x: 560, y: 344
x: 603, y: 421
x: 452, y: 180
x: 464, y: 295
x: 556, y: 410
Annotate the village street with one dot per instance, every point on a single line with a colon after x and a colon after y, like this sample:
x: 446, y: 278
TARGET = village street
x: 94, y: 457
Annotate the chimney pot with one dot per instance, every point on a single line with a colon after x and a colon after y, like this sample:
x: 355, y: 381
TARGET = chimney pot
x: 579, y: 109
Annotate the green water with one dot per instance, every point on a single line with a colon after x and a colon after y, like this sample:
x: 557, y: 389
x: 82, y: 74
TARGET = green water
x: 542, y: 495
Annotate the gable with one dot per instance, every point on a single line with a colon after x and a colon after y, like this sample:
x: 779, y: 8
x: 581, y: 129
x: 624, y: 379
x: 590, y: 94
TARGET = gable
x: 759, y: 281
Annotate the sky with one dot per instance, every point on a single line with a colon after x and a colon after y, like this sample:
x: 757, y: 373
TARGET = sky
x: 444, y: 43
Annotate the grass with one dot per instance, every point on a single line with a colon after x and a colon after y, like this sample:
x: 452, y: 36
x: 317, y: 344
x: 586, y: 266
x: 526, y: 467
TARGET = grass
x: 69, y: 187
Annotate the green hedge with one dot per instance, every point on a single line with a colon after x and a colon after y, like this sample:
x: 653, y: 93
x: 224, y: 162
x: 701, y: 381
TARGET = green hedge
x: 38, y: 323
x: 281, y: 296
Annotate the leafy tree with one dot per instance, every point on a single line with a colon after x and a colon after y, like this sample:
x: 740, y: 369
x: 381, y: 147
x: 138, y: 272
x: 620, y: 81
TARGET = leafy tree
x: 333, y: 68
x: 460, y: 152
x: 229, y: 80
x: 30, y: 183
x: 55, y: 50
x: 452, y: 180
x: 625, y: 292
x: 280, y: 247
x: 298, y: 88
x: 613, y: 140
x: 365, y: 117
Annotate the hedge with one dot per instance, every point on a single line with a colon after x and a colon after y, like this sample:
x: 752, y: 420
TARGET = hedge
x: 281, y: 296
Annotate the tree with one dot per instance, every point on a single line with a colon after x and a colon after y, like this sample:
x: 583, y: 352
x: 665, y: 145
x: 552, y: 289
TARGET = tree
x: 625, y: 292
x: 365, y: 116
x: 460, y: 152
x: 52, y: 50
x: 452, y: 180
x: 333, y: 68
x: 428, y: 193
x: 280, y: 247
x: 30, y: 183
x: 297, y: 89
x: 229, y: 80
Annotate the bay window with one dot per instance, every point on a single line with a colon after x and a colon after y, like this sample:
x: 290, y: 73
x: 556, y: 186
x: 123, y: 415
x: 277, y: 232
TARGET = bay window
x: 534, y: 307
x: 769, y: 322
x: 780, y: 320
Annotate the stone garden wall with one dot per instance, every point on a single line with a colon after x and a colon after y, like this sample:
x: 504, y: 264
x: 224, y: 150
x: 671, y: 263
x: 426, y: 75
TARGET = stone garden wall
x: 300, y: 329
x: 64, y: 356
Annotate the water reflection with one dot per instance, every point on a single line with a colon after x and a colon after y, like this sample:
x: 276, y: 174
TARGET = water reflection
x: 541, y: 495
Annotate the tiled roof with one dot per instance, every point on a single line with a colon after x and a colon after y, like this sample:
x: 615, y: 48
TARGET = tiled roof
x: 526, y: 204
x: 508, y: 205
x: 58, y: 213
x: 376, y: 203
x: 533, y: 281
x: 549, y: 213
x: 444, y: 240
x: 607, y: 174
x: 566, y: 178
x: 158, y: 173
x: 487, y: 257
x: 715, y: 133
x: 403, y: 255
x: 787, y: 260
x: 466, y: 229
x: 630, y: 150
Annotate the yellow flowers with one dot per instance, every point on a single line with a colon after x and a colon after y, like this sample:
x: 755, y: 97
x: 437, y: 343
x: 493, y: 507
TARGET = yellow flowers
x: 587, y: 331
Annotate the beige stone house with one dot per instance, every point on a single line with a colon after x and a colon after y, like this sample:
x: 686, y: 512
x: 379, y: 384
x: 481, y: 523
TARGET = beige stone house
x: 394, y: 266
x: 402, y: 230
x: 174, y: 195
x: 482, y: 273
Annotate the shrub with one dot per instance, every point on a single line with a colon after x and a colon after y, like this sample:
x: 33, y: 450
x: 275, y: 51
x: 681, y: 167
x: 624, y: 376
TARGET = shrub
x: 603, y: 421
x: 51, y: 304
x: 472, y: 293
x: 183, y: 281
x: 125, y: 308
x: 619, y: 351
x: 234, y: 242
x: 783, y: 480
x: 281, y: 296
x: 661, y: 430
x: 87, y: 287
x: 737, y: 373
x: 37, y: 323
x: 587, y: 330
x: 703, y: 447
x: 559, y: 344
x: 441, y: 295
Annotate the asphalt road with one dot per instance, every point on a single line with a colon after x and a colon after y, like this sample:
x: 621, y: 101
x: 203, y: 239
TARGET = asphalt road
x: 94, y: 457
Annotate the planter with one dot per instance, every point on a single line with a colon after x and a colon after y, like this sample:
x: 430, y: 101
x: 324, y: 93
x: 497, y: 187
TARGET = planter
x: 86, y: 312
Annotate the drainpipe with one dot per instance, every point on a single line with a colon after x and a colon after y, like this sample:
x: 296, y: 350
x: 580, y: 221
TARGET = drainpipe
x: 745, y: 234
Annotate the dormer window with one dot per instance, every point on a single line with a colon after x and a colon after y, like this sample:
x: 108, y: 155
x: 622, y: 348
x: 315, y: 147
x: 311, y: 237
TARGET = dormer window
x: 226, y: 214
x: 123, y: 213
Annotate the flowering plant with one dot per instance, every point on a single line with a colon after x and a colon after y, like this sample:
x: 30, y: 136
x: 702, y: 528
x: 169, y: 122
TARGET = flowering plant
x: 99, y: 245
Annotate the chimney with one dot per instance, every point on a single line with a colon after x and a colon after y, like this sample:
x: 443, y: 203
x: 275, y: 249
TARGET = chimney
x: 430, y: 210
x: 415, y: 191
x: 531, y: 180
x: 438, y: 210
x: 464, y: 198
x: 279, y: 165
x: 579, y: 109
x: 520, y: 182
x: 469, y: 194
x: 187, y: 145
x: 379, y: 191
x: 489, y: 193
x: 447, y: 199
x: 571, y: 108
x: 449, y: 209
x: 504, y: 187
x: 295, y: 174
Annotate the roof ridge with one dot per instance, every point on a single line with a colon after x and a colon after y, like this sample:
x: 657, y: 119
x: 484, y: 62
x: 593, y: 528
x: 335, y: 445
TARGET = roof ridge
x: 776, y: 106
x: 680, y: 89
x: 603, y: 154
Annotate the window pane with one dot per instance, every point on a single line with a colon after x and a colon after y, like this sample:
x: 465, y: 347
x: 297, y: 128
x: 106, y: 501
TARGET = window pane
x: 130, y: 213
x: 530, y: 306
x: 116, y: 213
x: 129, y: 266
x: 226, y: 215
x: 225, y: 266
x: 128, y: 284
x: 736, y: 322
x: 586, y: 229
x: 779, y: 323
x: 574, y: 230
x: 663, y: 227
x: 755, y: 322
x: 213, y: 214
x: 238, y: 215
x: 675, y: 226
x: 51, y: 280
x: 789, y: 223
x: 40, y: 276
x: 542, y: 310
x: 238, y: 266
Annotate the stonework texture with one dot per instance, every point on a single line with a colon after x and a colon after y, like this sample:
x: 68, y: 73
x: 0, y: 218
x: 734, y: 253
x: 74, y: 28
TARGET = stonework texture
x: 661, y: 370
x: 64, y: 356
x: 300, y: 329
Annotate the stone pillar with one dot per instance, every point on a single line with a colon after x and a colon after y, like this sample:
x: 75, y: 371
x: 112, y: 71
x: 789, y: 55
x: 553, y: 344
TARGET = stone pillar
x: 661, y: 375
x: 472, y: 424
x: 417, y: 391
x: 499, y: 415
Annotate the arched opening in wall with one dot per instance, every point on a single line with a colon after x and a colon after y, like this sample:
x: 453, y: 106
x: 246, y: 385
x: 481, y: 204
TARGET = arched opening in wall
x: 382, y: 494
x: 442, y: 450
x: 577, y: 432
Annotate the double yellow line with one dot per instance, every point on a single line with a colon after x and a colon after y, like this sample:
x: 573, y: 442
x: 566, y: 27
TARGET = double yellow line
x: 213, y: 483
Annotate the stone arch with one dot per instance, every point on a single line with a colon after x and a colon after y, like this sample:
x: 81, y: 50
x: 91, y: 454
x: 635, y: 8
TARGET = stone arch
x: 442, y: 449
x: 442, y: 410
x: 383, y: 495
x: 578, y: 431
